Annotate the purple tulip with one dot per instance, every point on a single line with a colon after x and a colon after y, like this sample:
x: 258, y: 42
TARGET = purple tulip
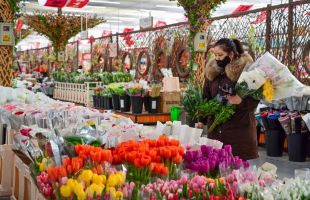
x: 228, y: 149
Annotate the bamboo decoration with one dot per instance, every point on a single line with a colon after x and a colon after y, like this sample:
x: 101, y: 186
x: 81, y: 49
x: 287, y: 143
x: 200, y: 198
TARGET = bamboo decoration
x: 6, y: 52
x: 59, y: 28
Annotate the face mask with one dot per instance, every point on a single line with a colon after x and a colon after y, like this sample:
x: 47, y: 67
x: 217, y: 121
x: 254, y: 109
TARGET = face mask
x: 224, y: 62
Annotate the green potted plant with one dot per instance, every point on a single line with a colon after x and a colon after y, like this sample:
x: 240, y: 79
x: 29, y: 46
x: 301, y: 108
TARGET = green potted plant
x: 154, y: 98
x: 136, y: 92
x: 191, y: 100
x: 117, y: 90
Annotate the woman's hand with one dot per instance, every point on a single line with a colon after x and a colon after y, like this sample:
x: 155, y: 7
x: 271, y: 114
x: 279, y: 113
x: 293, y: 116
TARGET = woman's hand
x: 199, y: 125
x: 235, y: 100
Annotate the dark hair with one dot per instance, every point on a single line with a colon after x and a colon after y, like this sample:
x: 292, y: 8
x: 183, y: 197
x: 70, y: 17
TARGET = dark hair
x: 230, y: 45
x: 80, y: 67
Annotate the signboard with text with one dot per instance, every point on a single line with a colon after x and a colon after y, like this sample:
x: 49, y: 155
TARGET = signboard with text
x: 6, y: 34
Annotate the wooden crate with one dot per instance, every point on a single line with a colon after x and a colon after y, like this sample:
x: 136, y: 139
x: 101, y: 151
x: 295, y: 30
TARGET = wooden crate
x: 169, y: 99
x: 6, y: 166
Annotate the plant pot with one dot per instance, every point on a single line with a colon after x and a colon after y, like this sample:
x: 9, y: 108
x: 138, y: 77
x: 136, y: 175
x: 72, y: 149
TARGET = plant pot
x: 124, y: 103
x: 146, y: 103
x: 136, y: 104
x: 96, y: 101
x: 108, y: 103
x: 153, y: 104
x: 115, y: 101
x: 175, y: 113
x: 191, y: 122
x: 101, y: 102
x: 274, y: 142
x: 297, y: 147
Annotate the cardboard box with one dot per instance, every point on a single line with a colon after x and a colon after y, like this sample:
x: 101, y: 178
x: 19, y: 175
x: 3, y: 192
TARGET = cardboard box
x: 169, y: 99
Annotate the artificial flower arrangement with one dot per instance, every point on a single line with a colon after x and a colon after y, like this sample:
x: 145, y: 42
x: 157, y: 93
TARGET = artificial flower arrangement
x: 149, y: 158
x: 134, y: 89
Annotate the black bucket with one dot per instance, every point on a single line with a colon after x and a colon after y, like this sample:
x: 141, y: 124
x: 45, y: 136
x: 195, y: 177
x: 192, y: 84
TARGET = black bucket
x: 136, y: 104
x: 108, y: 103
x: 297, y: 147
x: 101, y: 102
x: 146, y: 103
x: 115, y: 101
x: 96, y: 101
x: 124, y: 103
x: 154, y: 103
x: 274, y: 142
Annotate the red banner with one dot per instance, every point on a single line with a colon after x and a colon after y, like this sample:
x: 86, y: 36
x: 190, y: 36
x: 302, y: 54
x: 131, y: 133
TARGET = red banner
x: 77, y: 3
x: 19, y: 25
x: 53, y: 3
x: 242, y: 8
x: 260, y: 18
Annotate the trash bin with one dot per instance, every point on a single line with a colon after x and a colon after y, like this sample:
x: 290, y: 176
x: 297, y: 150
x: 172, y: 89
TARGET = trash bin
x: 175, y: 113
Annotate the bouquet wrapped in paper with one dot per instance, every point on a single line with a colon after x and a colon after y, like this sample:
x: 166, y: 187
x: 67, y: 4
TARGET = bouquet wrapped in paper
x: 269, y: 79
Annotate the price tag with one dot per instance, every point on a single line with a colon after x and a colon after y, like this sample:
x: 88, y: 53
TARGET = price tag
x: 122, y: 103
x: 153, y: 105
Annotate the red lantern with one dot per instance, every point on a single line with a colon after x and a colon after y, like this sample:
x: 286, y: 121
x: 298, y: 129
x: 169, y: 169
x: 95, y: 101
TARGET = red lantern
x: 242, y: 8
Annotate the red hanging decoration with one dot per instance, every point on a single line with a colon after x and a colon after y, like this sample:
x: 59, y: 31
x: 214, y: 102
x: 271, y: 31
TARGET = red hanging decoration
x: 160, y: 23
x: 260, y: 18
x: 242, y: 8
x: 127, y: 37
x: 19, y: 25
x: 91, y: 39
x: 77, y: 3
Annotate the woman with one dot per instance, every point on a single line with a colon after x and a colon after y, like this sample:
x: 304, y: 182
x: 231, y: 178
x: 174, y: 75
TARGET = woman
x: 222, y: 73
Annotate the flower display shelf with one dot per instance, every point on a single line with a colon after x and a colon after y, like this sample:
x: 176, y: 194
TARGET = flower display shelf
x: 146, y: 118
x: 6, y: 166
x: 76, y: 93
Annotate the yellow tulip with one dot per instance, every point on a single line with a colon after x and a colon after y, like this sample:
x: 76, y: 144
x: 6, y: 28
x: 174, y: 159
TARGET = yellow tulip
x: 112, y: 180
x: 81, y: 195
x: 104, y: 179
x: 97, y: 179
x: 65, y: 191
x: 86, y: 176
x: 42, y: 166
x: 119, y: 195
x: 71, y: 183
x: 78, y: 188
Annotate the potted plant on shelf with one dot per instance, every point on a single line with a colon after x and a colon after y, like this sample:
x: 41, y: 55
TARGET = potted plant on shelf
x: 107, y: 98
x: 136, y: 92
x: 154, y: 98
x: 191, y: 100
x: 121, y: 101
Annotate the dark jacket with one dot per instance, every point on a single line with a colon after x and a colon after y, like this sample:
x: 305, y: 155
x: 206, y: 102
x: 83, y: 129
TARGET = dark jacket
x: 240, y: 130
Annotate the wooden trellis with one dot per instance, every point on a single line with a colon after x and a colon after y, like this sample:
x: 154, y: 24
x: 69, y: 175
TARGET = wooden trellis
x: 6, y: 52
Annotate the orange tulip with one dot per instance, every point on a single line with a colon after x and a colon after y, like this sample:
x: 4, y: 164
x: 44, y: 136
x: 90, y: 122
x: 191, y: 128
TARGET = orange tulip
x: 177, y: 159
x: 152, y: 166
x: 137, y: 163
x: 174, y: 151
x: 145, y: 160
x: 174, y: 142
x: 52, y: 173
x: 62, y: 172
x: 66, y: 161
x: 99, y: 169
x: 164, y: 171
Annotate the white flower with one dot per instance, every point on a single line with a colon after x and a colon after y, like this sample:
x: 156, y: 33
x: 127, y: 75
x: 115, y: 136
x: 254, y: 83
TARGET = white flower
x: 254, y: 78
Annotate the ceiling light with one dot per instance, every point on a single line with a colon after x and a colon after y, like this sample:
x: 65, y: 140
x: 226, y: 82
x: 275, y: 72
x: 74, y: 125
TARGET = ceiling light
x: 167, y: 6
x: 107, y: 2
